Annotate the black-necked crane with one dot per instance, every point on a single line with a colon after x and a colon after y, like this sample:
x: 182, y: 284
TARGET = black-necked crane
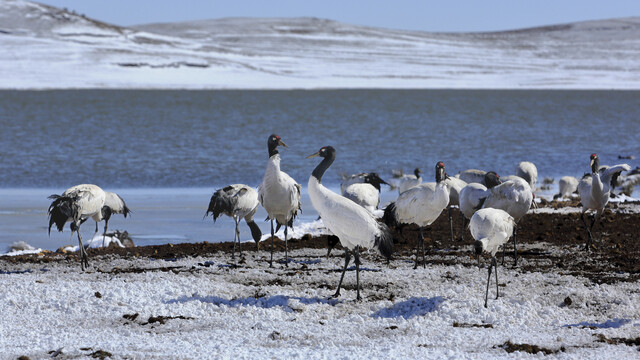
x: 370, y: 178
x: 515, y: 197
x: 279, y: 194
x: 367, y: 193
x: 420, y: 205
x: 455, y: 185
x: 472, y: 196
x: 408, y: 181
x: 594, y: 190
x: 113, y: 204
x: 491, y: 228
x: 356, y: 227
x: 528, y: 171
x: 76, y: 205
x: 566, y: 186
x: 237, y: 201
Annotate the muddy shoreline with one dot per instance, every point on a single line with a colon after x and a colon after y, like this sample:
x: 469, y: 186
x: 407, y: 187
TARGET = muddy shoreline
x: 547, y: 242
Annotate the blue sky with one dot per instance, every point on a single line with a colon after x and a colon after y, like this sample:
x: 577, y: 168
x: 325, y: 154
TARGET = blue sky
x: 426, y: 15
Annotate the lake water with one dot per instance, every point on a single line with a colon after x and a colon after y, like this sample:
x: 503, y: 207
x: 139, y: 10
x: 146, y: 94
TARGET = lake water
x: 168, y: 150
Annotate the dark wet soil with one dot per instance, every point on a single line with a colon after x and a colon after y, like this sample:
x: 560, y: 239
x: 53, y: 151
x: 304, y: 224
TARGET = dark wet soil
x: 546, y: 243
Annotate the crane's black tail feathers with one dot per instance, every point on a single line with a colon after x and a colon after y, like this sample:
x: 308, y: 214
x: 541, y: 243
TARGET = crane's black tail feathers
x: 389, y: 216
x: 61, y: 209
x: 219, y: 204
x: 256, y: 234
x: 125, y: 211
x: 384, y: 241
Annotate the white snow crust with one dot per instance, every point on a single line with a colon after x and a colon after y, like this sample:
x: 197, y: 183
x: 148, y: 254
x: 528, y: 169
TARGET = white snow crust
x: 253, y: 312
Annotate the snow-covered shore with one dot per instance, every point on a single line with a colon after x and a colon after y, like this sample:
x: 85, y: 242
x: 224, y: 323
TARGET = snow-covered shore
x: 194, y: 308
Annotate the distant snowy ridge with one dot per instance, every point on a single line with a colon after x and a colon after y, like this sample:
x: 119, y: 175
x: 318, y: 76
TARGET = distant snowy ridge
x: 42, y: 47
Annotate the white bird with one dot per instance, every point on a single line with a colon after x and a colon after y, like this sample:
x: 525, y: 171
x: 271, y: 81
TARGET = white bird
x: 408, y: 181
x: 113, y: 204
x: 528, y: 171
x: 566, y: 186
x: 594, y: 190
x: 350, y: 180
x: 472, y: 196
x: 76, y: 205
x: 420, y: 205
x: 236, y: 201
x: 455, y: 185
x: 491, y: 228
x: 356, y: 227
x: 365, y: 194
x: 472, y: 176
x: 515, y: 197
x: 279, y: 194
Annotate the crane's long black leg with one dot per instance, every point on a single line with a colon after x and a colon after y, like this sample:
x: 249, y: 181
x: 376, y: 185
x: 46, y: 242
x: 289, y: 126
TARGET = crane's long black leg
x: 587, y: 248
x: 357, y: 259
x: 451, y: 222
x: 271, y: 261
x: 486, y: 294
x: 462, y: 221
x: 504, y: 247
x: 347, y: 258
x: 424, y: 262
x: 104, y: 234
x: 495, y: 265
x: 73, y: 230
x: 238, y: 235
x: 235, y: 236
x: 515, y: 248
x: 286, y: 252
x: 420, y: 244
x: 84, y: 258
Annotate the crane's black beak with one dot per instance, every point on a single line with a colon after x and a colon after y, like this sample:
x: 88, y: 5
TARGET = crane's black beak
x: 281, y: 143
x: 313, y: 155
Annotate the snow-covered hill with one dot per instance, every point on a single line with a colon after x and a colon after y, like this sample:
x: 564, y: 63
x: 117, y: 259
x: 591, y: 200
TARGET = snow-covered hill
x: 47, y: 47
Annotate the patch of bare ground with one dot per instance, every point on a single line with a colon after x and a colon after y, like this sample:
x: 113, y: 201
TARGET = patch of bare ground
x: 547, y: 242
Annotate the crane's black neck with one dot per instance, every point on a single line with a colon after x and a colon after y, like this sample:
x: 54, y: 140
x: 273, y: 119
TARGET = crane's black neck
x: 596, y: 165
x: 417, y: 173
x: 273, y: 148
x: 440, y: 174
x: 375, y: 180
x: 329, y: 157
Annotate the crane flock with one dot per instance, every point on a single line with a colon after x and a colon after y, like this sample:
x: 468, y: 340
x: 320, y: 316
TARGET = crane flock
x: 493, y: 207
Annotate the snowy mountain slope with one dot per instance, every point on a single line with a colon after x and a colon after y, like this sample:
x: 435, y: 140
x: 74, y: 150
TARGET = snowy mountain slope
x: 46, y: 47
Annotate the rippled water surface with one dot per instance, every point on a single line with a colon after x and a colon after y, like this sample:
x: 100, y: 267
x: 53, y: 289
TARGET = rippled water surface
x: 134, y: 138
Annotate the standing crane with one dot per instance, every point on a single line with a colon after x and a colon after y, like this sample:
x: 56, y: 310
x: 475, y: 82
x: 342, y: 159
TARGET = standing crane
x: 491, y: 228
x: 356, y: 227
x: 595, y: 189
x: 366, y: 194
x: 420, y: 205
x: 279, y: 194
x: 236, y: 201
x: 76, y: 205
